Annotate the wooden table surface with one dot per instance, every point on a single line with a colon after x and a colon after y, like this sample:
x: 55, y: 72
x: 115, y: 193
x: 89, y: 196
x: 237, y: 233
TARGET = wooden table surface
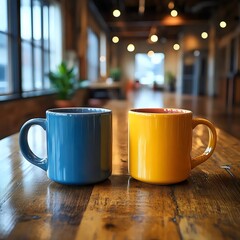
x: 206, y: 206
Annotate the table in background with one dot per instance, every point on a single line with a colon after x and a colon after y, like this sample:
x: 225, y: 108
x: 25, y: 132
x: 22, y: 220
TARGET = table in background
x: 206, y: 206
x: 105, y: 90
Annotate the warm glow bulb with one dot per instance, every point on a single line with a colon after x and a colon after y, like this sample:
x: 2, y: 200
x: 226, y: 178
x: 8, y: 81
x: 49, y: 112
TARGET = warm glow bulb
x: 102, y: 58
x: 171, y: 5
x: 115, y: 39
x: 154, y: 38
x: 223, y: 24
x: 174, y: 13
x: 196, y: 53
x: 116, y: 13
x: 176, y: 47
x: 150, y: 53
x: 204, y: 35
x: 130, y: 47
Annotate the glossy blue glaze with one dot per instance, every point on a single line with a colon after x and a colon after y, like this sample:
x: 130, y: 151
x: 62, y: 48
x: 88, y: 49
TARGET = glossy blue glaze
x: 79, y: 145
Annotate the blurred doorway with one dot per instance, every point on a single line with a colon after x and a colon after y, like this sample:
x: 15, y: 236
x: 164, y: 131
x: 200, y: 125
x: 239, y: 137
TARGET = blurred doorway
x: 195, y: 68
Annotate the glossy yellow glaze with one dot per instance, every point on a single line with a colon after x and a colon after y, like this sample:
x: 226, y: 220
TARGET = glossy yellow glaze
x: 160, y: 145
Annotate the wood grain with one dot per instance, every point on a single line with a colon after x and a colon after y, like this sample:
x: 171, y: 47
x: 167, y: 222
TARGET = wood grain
x: 124, y: 208
x: 205, y: 206
x: 31, y: 206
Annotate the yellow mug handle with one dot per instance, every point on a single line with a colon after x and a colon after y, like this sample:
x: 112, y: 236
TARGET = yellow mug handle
x: 211, y: 142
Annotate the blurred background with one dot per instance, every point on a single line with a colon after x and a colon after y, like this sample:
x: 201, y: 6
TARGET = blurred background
x: 113, y: 48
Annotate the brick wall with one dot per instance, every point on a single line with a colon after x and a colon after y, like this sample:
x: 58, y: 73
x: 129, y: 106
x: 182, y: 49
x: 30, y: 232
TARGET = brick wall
x: 14, y: 113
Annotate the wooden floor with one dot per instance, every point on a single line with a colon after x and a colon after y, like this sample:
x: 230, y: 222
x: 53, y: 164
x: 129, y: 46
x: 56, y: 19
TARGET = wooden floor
x: 213, y: 109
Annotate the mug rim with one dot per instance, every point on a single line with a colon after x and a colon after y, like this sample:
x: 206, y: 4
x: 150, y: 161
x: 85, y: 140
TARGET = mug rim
x: 73, y: 111
x: 160, y: 111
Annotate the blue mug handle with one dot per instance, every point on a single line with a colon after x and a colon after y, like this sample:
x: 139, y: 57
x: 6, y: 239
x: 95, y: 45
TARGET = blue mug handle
x: 24, y: 146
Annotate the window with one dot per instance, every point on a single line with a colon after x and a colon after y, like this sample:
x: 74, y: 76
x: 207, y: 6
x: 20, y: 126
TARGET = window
x: 149, y: 69
x: 40, y: 49
x: 41, y: 42
x: 4, y: 39
x: 93, y: 56
x: 103, y: 55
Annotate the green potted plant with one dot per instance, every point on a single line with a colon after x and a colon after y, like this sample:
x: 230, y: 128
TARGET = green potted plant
x: 170, y: 81
x: 115, y: 74
x: 63, y: 80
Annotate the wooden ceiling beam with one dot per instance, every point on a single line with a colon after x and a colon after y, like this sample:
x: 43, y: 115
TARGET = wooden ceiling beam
x: 165, y: 22
x: 144, y: 34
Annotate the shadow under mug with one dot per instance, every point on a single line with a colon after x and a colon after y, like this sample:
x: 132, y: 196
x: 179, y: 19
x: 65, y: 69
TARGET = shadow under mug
x: 79, y: 144
x: 160, y: 144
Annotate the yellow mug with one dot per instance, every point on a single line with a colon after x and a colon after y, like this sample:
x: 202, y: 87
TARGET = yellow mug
x: 160, y: 144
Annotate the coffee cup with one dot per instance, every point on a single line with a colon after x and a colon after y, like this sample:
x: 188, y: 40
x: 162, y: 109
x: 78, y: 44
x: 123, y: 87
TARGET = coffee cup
x: 160, y: 144
x: 79, y: 144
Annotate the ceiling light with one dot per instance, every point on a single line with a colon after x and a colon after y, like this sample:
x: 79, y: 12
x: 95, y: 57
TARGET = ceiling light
x: 196, y: 53
x: 174, y: 13
x: 150, y: 53
x: 176, y: 47
x: 171, y: 5
x: 130, y: 47
x: 115, y: 39
x: 141, y: 8
x: 116, y: 13
x: 223, y: 24
x: 102, y: 59
x: 154, y: 38
x: 204, y: 35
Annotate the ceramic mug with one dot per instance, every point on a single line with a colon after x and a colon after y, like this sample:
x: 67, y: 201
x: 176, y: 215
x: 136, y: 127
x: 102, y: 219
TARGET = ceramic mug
x: 79, y: 144
x: 160, y: 144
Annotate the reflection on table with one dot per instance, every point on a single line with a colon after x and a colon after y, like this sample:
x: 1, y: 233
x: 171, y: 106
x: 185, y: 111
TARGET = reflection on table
x: 206, y: 206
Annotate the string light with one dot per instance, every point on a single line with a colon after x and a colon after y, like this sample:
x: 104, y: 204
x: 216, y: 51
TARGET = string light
x: 174, y: 13
x: 141, y: 8
x: 222, y: 24
x: 130, y: 47
x: 115, y: 39
x: 204, y: 35
x: 196, y: 53
x: 176, y: 47
x: 102, y: 59
x: 171, y: 5
x: 116, y: 13
x: 150, y: 53
x: 154, y: 38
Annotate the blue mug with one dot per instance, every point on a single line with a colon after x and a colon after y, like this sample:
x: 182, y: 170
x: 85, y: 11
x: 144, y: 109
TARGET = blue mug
x: 79, y: 144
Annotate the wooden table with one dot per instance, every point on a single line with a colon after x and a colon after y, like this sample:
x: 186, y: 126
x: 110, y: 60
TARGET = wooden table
x: 105, y: 90
x: 206, y: 206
